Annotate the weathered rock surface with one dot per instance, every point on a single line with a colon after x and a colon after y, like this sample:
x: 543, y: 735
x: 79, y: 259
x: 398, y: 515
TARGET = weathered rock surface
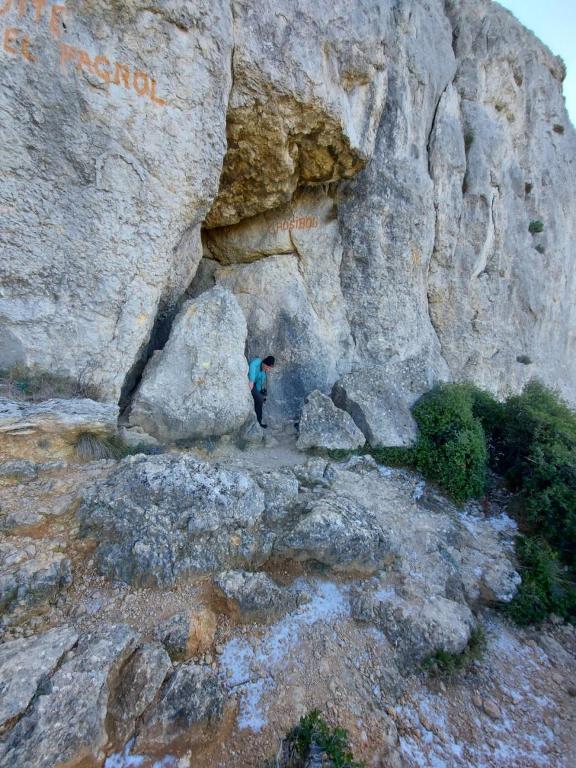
x: 291, y: 296
x: 33, y: 572
x: 379, y: 405
x: 323, y: 425
x: 415, y: 626
x: 96, y: 139
x: 280, y: 488
x: 386, y: 215
x: 185, y: 635
x: 370, y: 202
x: 501, y: 156
x: 18, y: 470
x: 157, y: 519
x: 189, y: 700
x: 139, y: 684
x: 308, y: 86
x: 50, y: 429
x: 197, y: 386
x: 339, y: 532
x: 160, y: 517
x: 255, y: 596
x: 66, y: 725
x: 25, y: 664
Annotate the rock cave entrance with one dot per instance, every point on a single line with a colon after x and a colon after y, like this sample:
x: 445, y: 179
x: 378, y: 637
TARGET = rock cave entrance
x: 272, y: 239
x: 283, y: 268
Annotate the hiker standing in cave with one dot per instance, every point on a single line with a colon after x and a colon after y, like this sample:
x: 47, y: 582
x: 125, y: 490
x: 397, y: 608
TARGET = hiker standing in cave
x: 257, y: 382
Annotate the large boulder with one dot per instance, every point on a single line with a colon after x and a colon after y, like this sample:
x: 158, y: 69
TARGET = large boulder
x: 434, y: 547
x: 190, y: 700
x: 51, y: 429
x: 67, y: 723
x: 33, y: 573
x: 197, y: 386
x: 255, y: 596
x: 339, y: 532
x: 323, y: 425
x: 415, y: 625
x: 140, y: 681
x: 116, y: 125
x: 25, y: 664
x: 158, y: 518
x: 379, y: 405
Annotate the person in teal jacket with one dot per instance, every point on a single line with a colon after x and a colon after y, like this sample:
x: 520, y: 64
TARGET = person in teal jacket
x: 257, y: 381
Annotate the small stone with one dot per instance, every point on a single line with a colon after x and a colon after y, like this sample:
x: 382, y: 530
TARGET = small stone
x: 186, y: 635
x: 491, y: 709
x: 477, y: 701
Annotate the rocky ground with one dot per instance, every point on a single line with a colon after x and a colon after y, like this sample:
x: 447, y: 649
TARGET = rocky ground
x: 138, y: 631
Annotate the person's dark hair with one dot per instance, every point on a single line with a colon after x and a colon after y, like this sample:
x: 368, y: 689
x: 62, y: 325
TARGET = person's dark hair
x: 269, y: 360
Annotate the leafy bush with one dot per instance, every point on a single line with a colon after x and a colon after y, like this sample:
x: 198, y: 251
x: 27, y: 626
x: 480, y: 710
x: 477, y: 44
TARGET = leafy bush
x: 546, y: 586
x: 313, y: 734
x: 451, y: 448
x: 535, y: 227
x: 394, y: 457
x: 538, y: 457
x: 445, y: 664
x: 532, y: 439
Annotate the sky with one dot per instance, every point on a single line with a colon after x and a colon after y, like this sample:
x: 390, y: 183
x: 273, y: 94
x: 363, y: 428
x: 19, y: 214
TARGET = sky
x: 554, y: 22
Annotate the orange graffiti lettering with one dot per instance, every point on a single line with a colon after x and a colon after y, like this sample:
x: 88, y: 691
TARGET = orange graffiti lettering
x: 39, y: 6
x: 10, y: 36
x: 122, y: 69
x: 153, y: 97
x: 84, y: 61
x: 67, y: 53
x: 56, y: 21
x: 103, y: 74
x: 144, y: 87
x: 104, y: 68
x: 25, y: 45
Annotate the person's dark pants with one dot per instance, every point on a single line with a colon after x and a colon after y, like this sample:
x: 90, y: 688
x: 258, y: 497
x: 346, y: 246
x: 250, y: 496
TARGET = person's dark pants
x: 258, y: 403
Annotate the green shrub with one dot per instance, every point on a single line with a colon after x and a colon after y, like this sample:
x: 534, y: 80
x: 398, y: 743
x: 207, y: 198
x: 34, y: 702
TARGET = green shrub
x: 445, y: 664
x: 546, y: 587
x: 451, y: 448
x: 535, y: 227
x: 313, y: 730
x: 394, y: 457
x: 538, y: 457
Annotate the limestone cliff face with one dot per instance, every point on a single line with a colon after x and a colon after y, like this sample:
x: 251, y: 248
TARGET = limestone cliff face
x: 366, y: 174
